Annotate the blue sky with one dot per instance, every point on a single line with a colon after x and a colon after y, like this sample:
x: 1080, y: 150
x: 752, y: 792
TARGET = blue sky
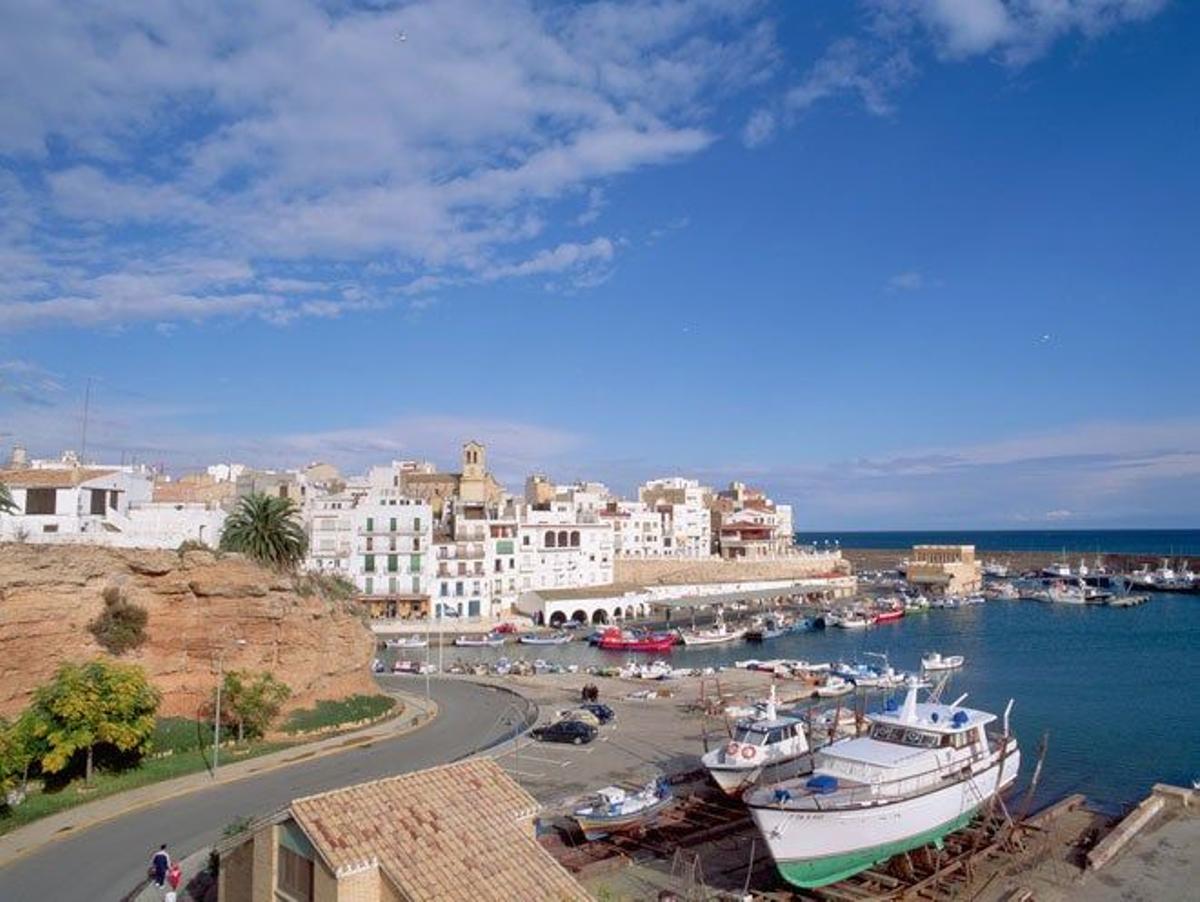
x: 904, y: 263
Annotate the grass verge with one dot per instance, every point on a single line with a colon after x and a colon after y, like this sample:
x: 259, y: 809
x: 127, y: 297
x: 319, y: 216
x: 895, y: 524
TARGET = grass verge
x: 327, y: 714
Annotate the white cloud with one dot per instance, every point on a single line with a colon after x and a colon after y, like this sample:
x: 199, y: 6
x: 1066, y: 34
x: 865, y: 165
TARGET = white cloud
x: 906, y: 281
x: 868, y: 70
x: 306, y: 133
x: 759, y: 128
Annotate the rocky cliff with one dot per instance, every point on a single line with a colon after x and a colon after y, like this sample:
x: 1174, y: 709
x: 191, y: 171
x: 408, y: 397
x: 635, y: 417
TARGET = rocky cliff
x: 200, y: 609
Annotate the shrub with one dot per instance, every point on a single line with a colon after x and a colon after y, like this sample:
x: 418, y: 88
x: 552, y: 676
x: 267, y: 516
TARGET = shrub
x: 121, y: 626
x: 251, y: 701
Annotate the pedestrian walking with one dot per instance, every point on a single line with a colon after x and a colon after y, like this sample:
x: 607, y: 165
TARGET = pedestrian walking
x: 160, y: 864
x: 175, y: 875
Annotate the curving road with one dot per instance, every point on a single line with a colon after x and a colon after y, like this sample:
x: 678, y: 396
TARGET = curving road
x: 108, y: 860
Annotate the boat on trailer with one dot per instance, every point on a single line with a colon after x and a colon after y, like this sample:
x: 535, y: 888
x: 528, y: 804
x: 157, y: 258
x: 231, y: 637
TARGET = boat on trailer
x: 922, y: 772
x: 617, y: 810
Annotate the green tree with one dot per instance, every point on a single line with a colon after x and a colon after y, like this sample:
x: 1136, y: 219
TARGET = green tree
x: 7, y: 505
x: 15, y: 755
x: 251, y: 701
x: 89, y: 705
x: 266, y: 528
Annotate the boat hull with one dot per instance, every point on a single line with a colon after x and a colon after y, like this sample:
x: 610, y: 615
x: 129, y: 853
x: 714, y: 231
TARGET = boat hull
x: 734, y: 781
x: 599, y: 827
x: 814, y: 848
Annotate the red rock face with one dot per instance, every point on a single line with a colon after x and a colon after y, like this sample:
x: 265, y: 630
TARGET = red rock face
x: 198, y: 606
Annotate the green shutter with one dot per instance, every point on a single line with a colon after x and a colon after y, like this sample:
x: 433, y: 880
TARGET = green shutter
x: 370, y: 524
x: 414, y: 564
x: 393, y: 562
x: 369, y: 563
x: 393, y: 526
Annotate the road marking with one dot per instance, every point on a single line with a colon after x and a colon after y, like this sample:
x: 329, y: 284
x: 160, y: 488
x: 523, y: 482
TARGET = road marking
x: 523, y: 773
x: 540, y: 760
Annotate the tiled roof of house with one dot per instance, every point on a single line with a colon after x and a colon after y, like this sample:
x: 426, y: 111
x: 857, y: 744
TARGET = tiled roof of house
x: 56, y: 478
x: 192, y: 492
x: 460, y: 831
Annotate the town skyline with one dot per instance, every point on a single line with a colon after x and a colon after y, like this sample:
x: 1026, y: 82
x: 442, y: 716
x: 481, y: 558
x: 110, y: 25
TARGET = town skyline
x: 892, y: 262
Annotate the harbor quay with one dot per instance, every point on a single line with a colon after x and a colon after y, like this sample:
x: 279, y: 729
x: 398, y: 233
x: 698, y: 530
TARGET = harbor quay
x: 706, y: 845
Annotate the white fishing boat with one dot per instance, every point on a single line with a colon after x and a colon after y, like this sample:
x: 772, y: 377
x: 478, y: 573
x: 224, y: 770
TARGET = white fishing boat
x: 922, y: 772
x: 936, y: 661
x: 407, y: 642
x: 554, y: 639
x: 489, y: 641
x: 617, y: 810
x: 716, y: 635
x: 760, y: 749
x: 833, y: 686
x: 852, y: 621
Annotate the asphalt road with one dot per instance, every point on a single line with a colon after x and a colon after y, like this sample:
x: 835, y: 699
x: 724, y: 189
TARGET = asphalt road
x: 109, y: 860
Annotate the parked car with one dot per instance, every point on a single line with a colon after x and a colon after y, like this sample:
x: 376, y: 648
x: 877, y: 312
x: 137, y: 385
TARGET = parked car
x: 602, y: 713
x: 580, y: 714
x: 575, y: 732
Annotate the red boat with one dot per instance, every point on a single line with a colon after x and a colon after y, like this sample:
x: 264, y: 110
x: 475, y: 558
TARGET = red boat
x: 616, y: 639
x: 888, y: 616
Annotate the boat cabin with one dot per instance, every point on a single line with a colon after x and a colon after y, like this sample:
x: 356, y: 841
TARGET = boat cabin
x: 765, y: 732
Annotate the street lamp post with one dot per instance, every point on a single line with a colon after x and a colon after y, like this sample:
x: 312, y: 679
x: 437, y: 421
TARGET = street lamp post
x: 217, y: 713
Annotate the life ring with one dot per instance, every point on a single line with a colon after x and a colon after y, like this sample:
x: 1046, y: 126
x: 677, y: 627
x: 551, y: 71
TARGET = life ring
x: 731, y: 750
x: 748, y: 752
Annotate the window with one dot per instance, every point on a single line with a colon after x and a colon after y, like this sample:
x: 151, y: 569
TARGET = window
x: 112, y: 499
x: 393, y: 563
x: 575, y: 539
x: 369, y: 586
x: 414, y: 563
x: 525, y: 540
x: 97, y: 501
x: 40, y: 501
x: 369, y: 563
x: 549, y: 539
x: 562, y: 539
x: 416, y: 585
x: 416, y: 524
x: 391, y: 585
x: 370, y: 524
x: 295, y: 876
x: 458, y: 588
x: 392, y: 527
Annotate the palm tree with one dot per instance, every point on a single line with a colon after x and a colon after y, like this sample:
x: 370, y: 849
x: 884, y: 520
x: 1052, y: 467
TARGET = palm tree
x: 7, y: 505
x: 266, y: 528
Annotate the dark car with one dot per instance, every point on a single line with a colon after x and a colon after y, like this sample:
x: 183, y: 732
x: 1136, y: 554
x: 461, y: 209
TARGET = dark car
x: 572, y: 731
x: 603, y: 712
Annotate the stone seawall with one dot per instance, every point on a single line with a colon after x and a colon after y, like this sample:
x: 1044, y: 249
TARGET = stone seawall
x: 675, y: 571
x: 199, y: 606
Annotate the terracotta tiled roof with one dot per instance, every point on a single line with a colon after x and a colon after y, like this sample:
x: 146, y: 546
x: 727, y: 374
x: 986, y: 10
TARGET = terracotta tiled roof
x: 188, y: 492
x: 460, y: 831
x: 66, y: 477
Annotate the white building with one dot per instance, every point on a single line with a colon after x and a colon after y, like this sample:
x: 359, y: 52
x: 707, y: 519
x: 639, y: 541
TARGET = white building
x: 329, y: 520
x: 391, y: 554
x: 561, y: 547
x: 687, y: 531
x: 638, y: 529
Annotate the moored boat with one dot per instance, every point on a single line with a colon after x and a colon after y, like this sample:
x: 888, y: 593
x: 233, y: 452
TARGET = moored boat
x: 921, y: 773
x: 616, y: 639
x: 491, y: 640
x: 407, y: 642
x: 717, y: 634
x: 617, y: 810
x: 936, y: 661
x: 554, y: 639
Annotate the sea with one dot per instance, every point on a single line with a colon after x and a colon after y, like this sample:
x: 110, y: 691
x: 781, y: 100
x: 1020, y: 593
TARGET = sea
x: 1110, y: 693
x: 1165, y: 542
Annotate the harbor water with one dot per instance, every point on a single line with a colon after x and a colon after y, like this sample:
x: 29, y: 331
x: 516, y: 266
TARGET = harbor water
x: 1158, y: 542
x: 1114, y: 690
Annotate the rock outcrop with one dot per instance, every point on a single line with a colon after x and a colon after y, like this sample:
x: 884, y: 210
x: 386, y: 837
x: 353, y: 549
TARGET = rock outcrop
x: 201, y: 609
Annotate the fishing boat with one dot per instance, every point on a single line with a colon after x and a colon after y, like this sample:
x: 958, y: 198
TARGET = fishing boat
x: 716, y: 635
x: 616, y: 639
x: 888, y: 615
x: 491, y: 640
x: 936, y: 661
x: 805, y: 625
x: 833, y: 686
x: 407, y: 642
x: 917, y: 605
x: 617, y: 810
x: 554, y: 639
x: 922, y: 772
x: 767, y: 628
x: 759, y: 749
x: 852, y: 622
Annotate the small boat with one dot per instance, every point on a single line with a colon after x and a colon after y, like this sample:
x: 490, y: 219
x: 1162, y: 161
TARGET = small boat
x: 833, y: 686
x: 616, y: 639
x: 769, y: 628
x: 617, y: 810
x: 995, y: 569
x: 655, y: 670
x: 489, y: 641
x: 936, y: 661
x: 852, y: 622
x: 555, y: 639
x: 804, y: 625
x: 759, y: 750
x: 888, y: 616
x: 407, y: 642
x: 718, y: 634
x: 918, y: 605
x: 921, y: 773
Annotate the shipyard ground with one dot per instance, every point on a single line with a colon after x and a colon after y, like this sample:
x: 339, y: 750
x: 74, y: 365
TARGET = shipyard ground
x: 706, y: 847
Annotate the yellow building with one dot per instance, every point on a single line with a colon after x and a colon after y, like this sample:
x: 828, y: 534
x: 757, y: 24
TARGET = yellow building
x: 951, y: 569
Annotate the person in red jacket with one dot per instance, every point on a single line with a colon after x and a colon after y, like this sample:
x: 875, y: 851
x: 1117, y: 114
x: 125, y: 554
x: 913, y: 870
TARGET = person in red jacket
x: 174, y: 875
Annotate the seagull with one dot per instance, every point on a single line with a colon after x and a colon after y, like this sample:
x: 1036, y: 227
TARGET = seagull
x: 1046, y: 338
x: 401, y: 36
